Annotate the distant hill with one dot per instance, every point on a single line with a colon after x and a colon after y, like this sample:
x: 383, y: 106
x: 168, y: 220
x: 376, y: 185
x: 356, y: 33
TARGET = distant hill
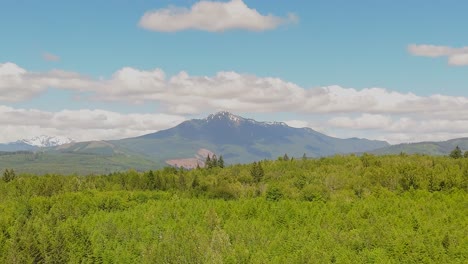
x: 429, y: 148
x: 17, y: 146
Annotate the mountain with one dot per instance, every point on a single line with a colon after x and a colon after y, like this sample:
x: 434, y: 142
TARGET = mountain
x: 47, y: 141
x: 17, y: 146
x: 35, y: 143
x: 237, y: 139
x: 429, y: 148
x: 242, y: 140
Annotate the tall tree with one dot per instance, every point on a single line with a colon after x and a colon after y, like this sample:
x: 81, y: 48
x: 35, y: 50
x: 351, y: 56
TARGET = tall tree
x: 456, y: 153
x: 285, y: 157
x: 208, y: 163
x: 195, y: 182
x: 214, y: 161
x: 9, y: 175
x: 151, y: 180
x: 256, y: 171
x: 221, y: 161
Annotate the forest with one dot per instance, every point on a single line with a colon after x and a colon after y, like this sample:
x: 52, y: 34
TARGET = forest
x: 339, y: 209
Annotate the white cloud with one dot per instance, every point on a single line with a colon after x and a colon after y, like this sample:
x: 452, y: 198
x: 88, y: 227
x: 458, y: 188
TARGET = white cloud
x: 365, y: 121
x: 185, y: 94
x: 297, y: 123
x: 212, y: 16
x: 50, y: 57
x: 458, y: 59
x: 81, y: 125
x: 331, y: 108
x: 456, y: 56
x: 17, y: 84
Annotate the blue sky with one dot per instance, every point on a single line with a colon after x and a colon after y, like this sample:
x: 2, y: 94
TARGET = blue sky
x: 348, y: 44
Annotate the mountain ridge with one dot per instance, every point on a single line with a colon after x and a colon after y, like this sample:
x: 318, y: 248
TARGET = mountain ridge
x: 237, y: 139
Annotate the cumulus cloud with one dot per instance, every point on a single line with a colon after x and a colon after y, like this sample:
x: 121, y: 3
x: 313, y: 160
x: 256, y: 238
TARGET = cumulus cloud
x: 398, y: 129
x: 81, y: 125
x: 212, y: 16
x: 17, y: 84
x: 186, y: 94
x: 456, y: 56
x: 332, y: 108
x: 50, y: 57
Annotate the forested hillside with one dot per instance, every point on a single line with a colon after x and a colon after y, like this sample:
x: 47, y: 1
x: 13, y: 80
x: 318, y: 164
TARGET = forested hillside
x: 341, y: 209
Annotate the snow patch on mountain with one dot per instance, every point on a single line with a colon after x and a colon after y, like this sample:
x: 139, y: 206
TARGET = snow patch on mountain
x: 224, y: 115
x: 46, y: 141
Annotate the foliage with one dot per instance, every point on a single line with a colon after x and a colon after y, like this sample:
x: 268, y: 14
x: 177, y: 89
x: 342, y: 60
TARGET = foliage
x: 214, y: 162
x: 341, y: 209
x: 9, y: 175
x: 456, y: 153
x: 257, y: 172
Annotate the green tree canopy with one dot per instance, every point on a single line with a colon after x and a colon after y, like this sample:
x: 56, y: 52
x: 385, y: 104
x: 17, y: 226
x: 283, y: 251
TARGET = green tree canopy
x: 456, y: 153
x: 9, y: 175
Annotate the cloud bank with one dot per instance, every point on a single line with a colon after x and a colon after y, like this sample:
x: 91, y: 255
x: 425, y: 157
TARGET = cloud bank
x: 213, y: 17
x: 80, y: 124
x: 456, y: 56
x: 345, y: 112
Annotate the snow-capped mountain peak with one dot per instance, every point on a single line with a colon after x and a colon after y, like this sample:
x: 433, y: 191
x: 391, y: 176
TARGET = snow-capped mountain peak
x: 46, y: 141
x: 224, y: 115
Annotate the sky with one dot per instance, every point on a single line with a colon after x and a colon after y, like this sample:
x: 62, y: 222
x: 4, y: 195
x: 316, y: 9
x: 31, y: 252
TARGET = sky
x: 95, y: 70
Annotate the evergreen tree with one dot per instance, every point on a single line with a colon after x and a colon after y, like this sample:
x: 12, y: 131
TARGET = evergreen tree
x: 221, y: 161
x: 9, y: 175
x: 261, y: 173
x: 195, y: 182
x: 208, y: 163
x: 285, y: 157
x: 257, y: 171
x: 151, y: 180
x: 466, y: 154
x: 214, y: 161
x: 158, y: 183
x: 304, y: 157
x: 182, y: 184
x: 456, y: 153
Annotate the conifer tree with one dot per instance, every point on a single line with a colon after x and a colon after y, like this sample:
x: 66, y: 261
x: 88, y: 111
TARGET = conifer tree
x: 158, y: 183
x: 221, y: 161
x: 466, y: 154
x: 195, y: 182
x: 151, y: 180
x: 208, y: 163
x: 257, y: 171
x: 285, y: 157
x: 182, y: 183
x: 9, y: 175
x: 214, y: 161
x: 456, y: 153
